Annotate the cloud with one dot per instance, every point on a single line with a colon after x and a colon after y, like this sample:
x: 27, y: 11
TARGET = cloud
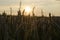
x: 48, y: 5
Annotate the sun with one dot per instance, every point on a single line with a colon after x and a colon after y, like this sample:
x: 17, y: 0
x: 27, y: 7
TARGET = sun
x: 28, y: 9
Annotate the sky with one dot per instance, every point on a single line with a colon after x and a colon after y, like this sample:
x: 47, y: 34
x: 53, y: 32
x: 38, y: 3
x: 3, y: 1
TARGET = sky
x: 52, y: 6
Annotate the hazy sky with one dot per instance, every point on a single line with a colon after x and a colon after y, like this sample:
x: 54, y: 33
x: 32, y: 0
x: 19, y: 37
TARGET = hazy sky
x: 52, y: 6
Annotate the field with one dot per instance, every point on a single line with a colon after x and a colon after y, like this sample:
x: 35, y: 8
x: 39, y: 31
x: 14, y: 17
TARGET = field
x: 29, y: 27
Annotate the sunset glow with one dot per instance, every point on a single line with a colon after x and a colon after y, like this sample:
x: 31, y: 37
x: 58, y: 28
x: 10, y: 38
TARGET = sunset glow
x: 28, y: 10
